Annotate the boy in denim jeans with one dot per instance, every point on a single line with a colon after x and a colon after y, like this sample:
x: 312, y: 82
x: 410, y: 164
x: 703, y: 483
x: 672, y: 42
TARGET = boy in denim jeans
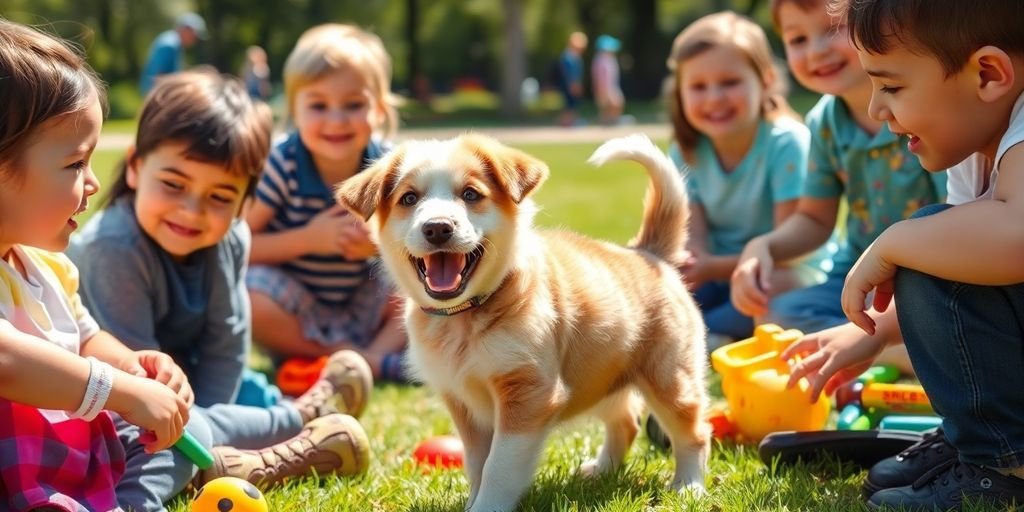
x: 949, y: 75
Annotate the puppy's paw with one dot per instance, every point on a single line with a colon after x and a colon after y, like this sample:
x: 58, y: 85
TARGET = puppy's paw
x: 692, y: 490
x: 593, y: 467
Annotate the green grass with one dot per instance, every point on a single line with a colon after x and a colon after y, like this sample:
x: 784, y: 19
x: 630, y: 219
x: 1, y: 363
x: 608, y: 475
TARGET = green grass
x: 605, y: 203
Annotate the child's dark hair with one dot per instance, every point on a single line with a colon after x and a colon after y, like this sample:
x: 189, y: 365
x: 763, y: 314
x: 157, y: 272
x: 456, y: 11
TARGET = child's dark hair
x: 804, y: 5
x: 212, y: 116
x: 950, y: 30
x: 41, y: 78
x: 722, y: 29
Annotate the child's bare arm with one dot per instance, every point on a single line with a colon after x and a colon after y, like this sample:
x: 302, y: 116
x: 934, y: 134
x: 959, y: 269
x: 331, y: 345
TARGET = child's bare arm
x: 38, y: 373
x: 981, y: 242
x: 805, y: 230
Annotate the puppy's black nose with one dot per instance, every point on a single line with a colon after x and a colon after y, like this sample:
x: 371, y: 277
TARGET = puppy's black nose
x: 439, y: 231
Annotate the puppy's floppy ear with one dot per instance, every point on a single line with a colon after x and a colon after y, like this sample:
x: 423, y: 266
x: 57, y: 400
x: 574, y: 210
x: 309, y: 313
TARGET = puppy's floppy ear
x: 364, y: 192
x: 514, y: 170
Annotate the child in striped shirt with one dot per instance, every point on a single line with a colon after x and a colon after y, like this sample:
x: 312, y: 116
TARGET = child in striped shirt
x: 312, y: 286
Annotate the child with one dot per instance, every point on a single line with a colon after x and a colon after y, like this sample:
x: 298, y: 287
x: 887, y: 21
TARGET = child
x: 955, y: 269
x: 163, y: 266
x: 745, y: 157
x: 851, y: 155
x: 58, y: 447
x: 604, y: 80
x: 569, y: 77
x: 310, y: 283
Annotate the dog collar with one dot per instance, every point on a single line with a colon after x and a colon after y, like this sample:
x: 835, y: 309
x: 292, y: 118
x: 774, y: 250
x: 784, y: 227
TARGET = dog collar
x: 458, y: 308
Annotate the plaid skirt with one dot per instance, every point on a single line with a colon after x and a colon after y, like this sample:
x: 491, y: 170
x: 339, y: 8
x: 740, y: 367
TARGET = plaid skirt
x: 72, y: 465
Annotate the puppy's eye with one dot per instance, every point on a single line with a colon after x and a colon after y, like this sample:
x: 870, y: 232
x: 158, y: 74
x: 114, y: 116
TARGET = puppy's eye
x: 409, y: 199
x: 471, y: 195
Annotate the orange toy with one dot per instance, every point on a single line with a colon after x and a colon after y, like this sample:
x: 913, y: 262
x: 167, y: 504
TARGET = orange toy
x: 754, y: 384
x: 297, y: 375
x: 229, y: 494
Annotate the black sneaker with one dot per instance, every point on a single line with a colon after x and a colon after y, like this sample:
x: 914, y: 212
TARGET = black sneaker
x: 948, y: 486
x: 907, y: 466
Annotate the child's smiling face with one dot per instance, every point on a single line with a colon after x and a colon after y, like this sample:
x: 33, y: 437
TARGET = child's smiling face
x: 943, y: 116
x: 335, y: 116
x: 51, y: 182
x: 818, y: 51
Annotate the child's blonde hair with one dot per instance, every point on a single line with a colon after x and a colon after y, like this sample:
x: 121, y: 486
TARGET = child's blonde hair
x: 327, y: 48
x: 723, y: 29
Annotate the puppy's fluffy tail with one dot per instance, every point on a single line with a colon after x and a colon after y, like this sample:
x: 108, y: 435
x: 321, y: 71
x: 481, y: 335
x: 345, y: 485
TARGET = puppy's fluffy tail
x: 663, y: 231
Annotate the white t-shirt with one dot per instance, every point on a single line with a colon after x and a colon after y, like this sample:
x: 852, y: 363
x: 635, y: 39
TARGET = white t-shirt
x: 46, y: 305
x: 967, y: 179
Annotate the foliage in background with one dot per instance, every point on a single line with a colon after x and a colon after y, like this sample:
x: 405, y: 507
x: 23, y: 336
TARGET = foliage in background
x: 451, y: 43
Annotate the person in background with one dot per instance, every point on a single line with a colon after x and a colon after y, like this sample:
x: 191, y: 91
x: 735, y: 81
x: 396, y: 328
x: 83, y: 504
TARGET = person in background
x: 166, y: 53
x: 570, y: 78
x: 605, y: 80
x: 256, y: 73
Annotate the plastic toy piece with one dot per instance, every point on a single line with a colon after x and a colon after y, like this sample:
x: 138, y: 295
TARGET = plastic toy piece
x: 194, y: 451
x: 440, y: 451
x: 754, y: 384
x: 914, y: 423
x: 853, y: 418
x: 903, y: 398
x: 229, y: 494
x: 297, y: 375
x: 882, y: 373
x: 861, y: 447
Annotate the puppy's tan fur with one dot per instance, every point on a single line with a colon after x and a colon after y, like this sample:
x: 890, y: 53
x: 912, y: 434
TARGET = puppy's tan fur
x: 568, y: 324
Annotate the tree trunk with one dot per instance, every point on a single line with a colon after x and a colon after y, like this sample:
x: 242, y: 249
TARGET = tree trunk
x: 514, y: 67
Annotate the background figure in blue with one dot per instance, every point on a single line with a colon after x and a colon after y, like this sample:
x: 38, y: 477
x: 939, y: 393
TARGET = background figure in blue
x: 165, y: 54
x: 256, y: 73
x: 570, y: 77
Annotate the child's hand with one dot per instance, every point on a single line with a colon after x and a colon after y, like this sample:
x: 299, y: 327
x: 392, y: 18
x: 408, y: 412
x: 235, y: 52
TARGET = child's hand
x: 871, y: 272
x: 325, y: 232
x: 160, y: 367
x: 153, y: 407
x: 695, y: 268
x: 751, y: 280
x: 355, y: 240
x: 832, y: 357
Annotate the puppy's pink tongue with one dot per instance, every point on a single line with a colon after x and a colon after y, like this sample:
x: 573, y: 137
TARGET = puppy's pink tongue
x: 444, y: 270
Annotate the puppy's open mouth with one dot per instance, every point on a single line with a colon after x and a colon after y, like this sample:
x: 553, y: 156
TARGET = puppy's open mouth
x: 445, y: 274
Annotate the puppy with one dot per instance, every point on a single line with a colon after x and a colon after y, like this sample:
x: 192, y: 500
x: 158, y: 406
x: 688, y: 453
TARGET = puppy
x: 518, y: 329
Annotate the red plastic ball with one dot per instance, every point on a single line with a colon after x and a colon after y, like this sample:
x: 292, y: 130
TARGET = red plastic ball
x: 440, y: 451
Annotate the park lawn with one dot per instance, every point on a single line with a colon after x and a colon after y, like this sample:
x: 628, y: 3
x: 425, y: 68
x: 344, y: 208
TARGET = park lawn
x: 604, y: 203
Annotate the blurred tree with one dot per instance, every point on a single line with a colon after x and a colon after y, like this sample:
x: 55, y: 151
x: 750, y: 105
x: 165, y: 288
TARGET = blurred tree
x: 514, y: 70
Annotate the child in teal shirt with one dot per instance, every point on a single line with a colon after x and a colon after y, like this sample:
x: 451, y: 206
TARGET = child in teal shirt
x: 744, y: 153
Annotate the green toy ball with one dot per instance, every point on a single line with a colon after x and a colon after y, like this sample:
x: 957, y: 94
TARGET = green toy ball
x: 229, y: 494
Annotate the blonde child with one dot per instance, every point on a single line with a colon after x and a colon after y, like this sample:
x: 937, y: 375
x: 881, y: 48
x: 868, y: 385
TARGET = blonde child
x: 310, y: 282
x: 58, y: 370
x: 852, y: 157
x: 744, y: 154
x: 163, y: 268
x: 955, y: 269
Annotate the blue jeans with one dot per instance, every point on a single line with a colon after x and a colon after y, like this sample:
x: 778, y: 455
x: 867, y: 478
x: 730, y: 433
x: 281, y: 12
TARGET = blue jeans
x: 810, y: 309
x: 152, y: 479
x: 720, y: 316
x: 966, y: 343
